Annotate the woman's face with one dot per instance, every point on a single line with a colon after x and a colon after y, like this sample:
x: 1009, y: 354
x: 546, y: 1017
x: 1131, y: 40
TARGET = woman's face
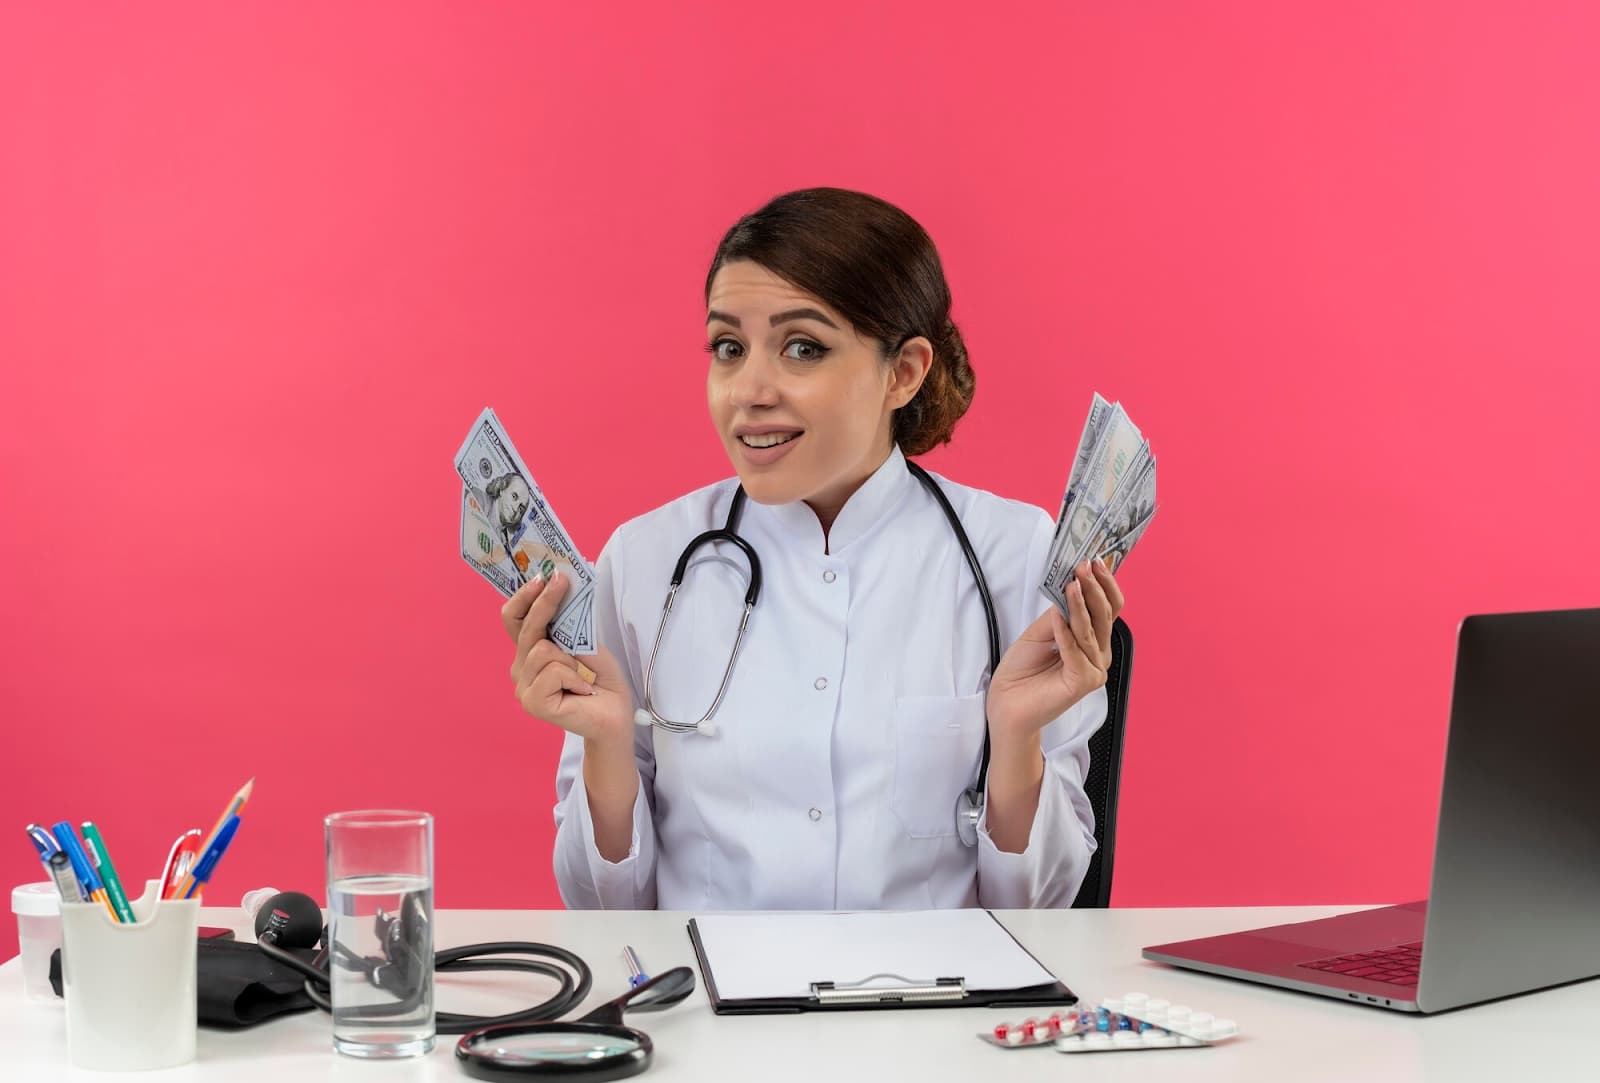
x: 801, y: 401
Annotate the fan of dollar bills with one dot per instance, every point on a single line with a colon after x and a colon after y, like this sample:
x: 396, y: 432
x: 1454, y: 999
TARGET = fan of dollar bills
x: 509, y: 532
x: 1110, y: 499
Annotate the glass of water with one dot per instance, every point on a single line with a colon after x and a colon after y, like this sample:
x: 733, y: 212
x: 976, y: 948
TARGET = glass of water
x: 380, y: 898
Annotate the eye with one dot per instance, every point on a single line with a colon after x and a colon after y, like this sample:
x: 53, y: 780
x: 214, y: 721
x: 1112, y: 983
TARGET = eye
x: 723, y: 349
x: 803, y: 349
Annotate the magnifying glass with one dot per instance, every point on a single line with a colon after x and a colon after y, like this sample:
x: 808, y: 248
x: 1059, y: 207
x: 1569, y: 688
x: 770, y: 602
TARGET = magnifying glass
x: 596, y: 1047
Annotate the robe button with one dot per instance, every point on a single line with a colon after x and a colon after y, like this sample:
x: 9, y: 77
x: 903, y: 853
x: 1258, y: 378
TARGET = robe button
x: 820, y: 683
x: 828, y: 576
x: 815, y: 814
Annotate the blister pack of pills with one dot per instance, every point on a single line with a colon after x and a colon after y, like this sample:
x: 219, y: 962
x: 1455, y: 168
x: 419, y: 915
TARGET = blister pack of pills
x: 1134, y: 1021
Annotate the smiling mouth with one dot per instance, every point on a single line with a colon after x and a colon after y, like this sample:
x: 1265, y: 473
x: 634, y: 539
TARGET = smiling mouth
x: 766, y: 440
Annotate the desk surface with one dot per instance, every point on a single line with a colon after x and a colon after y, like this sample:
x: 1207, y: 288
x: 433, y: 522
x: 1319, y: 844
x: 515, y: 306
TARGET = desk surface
x: 1544, y: 1036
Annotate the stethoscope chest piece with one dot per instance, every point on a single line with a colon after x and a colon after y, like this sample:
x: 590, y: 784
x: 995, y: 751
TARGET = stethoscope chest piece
x: 969, y: 810
x: 597, y: 1047
x: 591, y: 1051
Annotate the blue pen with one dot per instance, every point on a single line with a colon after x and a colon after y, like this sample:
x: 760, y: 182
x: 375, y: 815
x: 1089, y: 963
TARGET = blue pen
x: 637, y: 976
x: 208, y: 860
x: 87, y: 880
x: 43, y: 841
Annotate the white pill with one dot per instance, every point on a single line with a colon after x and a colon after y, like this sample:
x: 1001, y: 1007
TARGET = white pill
x: 1197, y: 1018
x: 1098, y: 1037
x: 1112, y: 1004
x: 1159, y: 1039
x: 1125, y: 1037
x: 1184, y: 1039
x: 1178, y: 1011
x: 1014, y: 1036
x: 1156, y: 1004
x: 1224, y: 1028
x: 1134, y: 999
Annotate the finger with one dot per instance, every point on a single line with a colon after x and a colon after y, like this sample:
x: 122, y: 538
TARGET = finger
x: 1108, y: 583
x: 1100, y: 614
x: 517, y: 606
x: 606, y: 672
x: 544, y: 696
x: 1061, y: 633
x: 1040, y: 630
x: 540, y: 653
x: 545, y: 653
x: 1082, y: 627
x: 535, y: 624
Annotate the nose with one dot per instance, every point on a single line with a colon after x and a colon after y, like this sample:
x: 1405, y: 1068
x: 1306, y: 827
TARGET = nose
x: 753, y: 383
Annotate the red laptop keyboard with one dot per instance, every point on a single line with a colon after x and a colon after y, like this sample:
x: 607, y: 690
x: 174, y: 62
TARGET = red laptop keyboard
x: 1397, y: 965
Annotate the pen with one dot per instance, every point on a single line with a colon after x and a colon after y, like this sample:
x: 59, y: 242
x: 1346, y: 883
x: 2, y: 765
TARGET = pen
x: 208, y: 861
x: 636, y: 974
x: 180, y: 859
x: 235, y: 807
x: 88, y: 883
x: 60, y: 866
x: 43, y: 841
x: 100, y: 857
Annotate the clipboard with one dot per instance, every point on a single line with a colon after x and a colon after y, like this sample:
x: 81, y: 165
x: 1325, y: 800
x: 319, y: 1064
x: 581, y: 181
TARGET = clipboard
x: 876, y: 987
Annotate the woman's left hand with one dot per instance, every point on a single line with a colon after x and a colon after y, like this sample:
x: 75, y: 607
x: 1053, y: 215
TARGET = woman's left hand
x: 1056, y: 662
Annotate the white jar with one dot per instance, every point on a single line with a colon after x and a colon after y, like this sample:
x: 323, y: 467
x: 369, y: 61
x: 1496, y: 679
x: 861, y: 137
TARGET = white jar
x: 38, y: 910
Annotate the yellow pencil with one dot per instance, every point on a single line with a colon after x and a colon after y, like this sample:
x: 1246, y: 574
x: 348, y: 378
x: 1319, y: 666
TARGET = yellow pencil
x: 235, y: 807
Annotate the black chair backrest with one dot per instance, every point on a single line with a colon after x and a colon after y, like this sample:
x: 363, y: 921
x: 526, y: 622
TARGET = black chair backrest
x: 1105, y: 770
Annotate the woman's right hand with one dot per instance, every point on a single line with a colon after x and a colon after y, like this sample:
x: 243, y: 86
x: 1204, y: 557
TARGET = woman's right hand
x: 548, y: 681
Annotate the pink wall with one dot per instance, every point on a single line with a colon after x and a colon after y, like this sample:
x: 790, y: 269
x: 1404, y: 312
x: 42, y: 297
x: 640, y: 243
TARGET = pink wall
x: 259, y: 270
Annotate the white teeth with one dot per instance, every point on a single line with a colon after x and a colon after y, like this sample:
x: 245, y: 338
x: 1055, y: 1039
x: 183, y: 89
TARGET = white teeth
x: 771, y: 439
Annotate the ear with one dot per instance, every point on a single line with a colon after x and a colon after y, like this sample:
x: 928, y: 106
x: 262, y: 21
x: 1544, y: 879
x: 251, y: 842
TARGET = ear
x: 907, y: 370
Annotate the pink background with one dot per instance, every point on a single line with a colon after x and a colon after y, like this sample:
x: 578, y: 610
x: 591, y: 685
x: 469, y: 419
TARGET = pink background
x: 260, y: 268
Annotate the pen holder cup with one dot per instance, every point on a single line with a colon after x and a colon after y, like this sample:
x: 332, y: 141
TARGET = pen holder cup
x: 132, y: 1002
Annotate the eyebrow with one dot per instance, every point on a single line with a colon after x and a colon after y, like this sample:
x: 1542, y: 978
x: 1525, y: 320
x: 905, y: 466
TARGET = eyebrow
x: 781, y: 317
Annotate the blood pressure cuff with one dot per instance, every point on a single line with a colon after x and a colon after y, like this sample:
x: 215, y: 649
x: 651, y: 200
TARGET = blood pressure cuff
x: 238, y: 984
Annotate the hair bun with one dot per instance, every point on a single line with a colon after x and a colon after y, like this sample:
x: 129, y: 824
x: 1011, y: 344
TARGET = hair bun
x: 930, y: 417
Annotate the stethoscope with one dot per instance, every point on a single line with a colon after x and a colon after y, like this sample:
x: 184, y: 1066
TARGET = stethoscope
x: 969, y: 806
x: 525, y: 1045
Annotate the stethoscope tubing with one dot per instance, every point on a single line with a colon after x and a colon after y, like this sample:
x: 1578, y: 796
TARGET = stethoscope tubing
x: 648, y: 715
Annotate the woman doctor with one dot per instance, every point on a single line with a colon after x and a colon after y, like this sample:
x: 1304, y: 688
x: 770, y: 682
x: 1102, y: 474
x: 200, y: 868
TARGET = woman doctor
x: 855, y: 713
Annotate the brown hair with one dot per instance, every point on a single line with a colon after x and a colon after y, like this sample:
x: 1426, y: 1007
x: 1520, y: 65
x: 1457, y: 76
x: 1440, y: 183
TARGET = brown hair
x: 872, y: 263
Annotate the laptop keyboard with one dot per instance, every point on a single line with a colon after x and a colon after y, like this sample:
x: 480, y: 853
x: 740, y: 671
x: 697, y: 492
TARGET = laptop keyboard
x: 1397, y: 965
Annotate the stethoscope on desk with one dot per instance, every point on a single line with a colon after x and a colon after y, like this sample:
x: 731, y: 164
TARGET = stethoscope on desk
x: 522, y: 1045
x: 969, y: 806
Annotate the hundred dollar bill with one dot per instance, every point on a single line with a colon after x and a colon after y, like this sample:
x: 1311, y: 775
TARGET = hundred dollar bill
x: 1119, y: 447
x: 1093, y: 428
x: 509, y: 531
x: 1123, y: 523
x: 1109, y: 502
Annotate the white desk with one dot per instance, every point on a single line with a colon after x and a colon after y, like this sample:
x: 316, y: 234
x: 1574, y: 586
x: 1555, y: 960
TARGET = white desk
x: 1544, y: 1036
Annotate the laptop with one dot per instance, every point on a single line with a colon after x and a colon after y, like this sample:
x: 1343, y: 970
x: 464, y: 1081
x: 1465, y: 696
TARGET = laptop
x: 1514, y: 903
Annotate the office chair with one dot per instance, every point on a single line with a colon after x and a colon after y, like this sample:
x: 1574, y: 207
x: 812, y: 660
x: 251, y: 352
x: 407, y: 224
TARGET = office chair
x: 1105, y: 770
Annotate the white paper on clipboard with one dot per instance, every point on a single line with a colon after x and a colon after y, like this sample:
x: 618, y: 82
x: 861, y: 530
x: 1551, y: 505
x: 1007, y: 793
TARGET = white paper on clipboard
x: 754, y: 956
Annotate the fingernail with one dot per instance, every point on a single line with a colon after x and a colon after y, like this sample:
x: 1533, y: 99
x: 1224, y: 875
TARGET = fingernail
x: 586, y: 673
